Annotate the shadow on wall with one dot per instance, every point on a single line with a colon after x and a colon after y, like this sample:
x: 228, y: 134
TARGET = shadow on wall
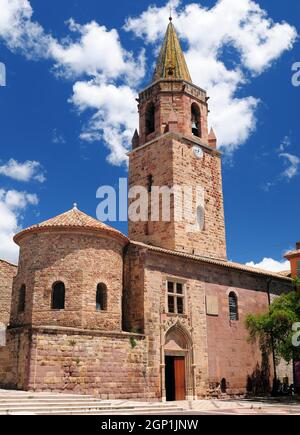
x: 259, y: 382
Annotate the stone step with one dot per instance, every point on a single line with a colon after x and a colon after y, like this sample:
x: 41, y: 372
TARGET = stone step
x: 27, y: 403
x: 65, y: 410
x: 39, y: 404
x: 47, y: 397
x: 145, y: 411
x: 53, y: 399
x: 116, y: 410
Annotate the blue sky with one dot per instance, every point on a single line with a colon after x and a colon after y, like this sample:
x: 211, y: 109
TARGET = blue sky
x: 68, y: 109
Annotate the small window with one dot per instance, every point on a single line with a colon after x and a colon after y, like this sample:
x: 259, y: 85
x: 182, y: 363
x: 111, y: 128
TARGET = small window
x: 22, y: 299
x: 101, y: 297
x: 58, y: 296
x: 233, y: 307
x: 196, y: 120
x: 298, y: 268
x: 175, y: 297
x: 150, y: 119
x: 149, y: 183
x: 223, y: 386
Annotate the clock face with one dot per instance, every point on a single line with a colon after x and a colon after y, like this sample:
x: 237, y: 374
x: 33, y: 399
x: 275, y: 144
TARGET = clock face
x: 198, y: 152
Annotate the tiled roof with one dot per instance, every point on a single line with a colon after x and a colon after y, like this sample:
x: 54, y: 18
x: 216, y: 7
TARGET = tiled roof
x: 8, y: 263
x: 72, y: 219
x: 285, y: 273
x: 222, y: 263
x: 292, y: 253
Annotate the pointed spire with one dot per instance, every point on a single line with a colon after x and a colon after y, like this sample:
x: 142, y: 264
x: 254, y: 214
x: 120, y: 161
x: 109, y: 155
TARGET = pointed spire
x: 171, y: 62
x: 212, y: 134
x: 212, y: 138
x: 135, y: 140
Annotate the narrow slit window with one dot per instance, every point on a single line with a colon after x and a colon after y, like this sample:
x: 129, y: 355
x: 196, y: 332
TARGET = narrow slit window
x: 233, y: 307
x: 150, y: 119
x: 101, y: 297
x: 196, y: 120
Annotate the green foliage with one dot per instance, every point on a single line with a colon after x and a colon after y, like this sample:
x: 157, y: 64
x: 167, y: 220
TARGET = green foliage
x: 133, y: 342
x: 72, y: 343
x: 274, y: 329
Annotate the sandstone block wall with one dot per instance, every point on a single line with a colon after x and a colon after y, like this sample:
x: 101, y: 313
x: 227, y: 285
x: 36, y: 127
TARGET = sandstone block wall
x: 109, y: 366
x: 170, y: 161
x: 205, y: 173
x: 231, y: 356
x: 81, y: 261
x: 220, y: 346
x: 15, y: 359
x: 173, y: 100
x: 133, y: 293
x: 7, y: 273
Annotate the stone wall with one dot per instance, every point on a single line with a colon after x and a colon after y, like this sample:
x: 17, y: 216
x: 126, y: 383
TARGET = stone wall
x: 107, y: 365
x: 14, y: 359
x: 204, y: 173
x: 81, y: 261
x: 173, y: 102
x: 133, y: 296
x: 7, y: 272
x: 220, y: 346
x: 230, y: 356
x: 180, y: 168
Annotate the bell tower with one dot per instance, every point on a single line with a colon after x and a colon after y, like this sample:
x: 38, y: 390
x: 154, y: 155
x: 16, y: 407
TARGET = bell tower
x: 174, y: 152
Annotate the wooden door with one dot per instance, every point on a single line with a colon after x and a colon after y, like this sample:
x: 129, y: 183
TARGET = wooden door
x: 179, y: 369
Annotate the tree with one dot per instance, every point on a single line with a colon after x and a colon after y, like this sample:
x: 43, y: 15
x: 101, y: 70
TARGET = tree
x: 275, y: 329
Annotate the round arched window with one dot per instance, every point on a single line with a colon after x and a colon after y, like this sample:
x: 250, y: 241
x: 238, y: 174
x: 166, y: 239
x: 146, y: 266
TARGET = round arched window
x: 58, y: 296
x: 101, y: 297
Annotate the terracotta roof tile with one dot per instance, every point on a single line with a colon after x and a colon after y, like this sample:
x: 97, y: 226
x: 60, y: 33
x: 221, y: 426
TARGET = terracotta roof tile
x: 223, y: 263
x: 72, y: 219
x: 292, y: 253
x: 8, y: 263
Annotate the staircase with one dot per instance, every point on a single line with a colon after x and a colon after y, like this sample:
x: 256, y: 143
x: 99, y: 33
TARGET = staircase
x: 26, y: 403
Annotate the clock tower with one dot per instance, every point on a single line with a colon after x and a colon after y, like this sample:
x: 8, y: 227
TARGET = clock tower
x: 175, y: 160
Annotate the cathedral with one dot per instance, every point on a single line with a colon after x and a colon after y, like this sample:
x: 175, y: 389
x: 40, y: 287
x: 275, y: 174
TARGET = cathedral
x: 155, y: 315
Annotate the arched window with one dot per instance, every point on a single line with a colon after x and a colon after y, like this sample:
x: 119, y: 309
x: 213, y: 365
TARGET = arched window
x: 58, y: 296
x: 101, y: 297
x: 150, y: 118
x: 22, y: 299
x: 233, y: 307
x: 196, y: 123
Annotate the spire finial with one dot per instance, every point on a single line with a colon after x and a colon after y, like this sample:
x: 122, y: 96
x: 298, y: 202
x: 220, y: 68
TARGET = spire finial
x: 170, y: 17
x: 171, y: 64
x: 75, y: 206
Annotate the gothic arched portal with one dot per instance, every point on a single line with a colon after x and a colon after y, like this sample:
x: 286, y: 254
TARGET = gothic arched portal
x: 177, y: 377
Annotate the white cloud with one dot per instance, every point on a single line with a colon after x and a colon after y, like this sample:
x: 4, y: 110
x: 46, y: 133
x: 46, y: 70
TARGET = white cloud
x: 293, y: 163
x: 12, y: 204
x: 97, y: 52
x: 20, y: 32
x: 92, y: 52
x: 57, y: 137
x: 271, y: 265
x: 115, y: 115
x: 286, y: 143
x: 27, y: 171
x: 94, y: 56
x: 241, y: 24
